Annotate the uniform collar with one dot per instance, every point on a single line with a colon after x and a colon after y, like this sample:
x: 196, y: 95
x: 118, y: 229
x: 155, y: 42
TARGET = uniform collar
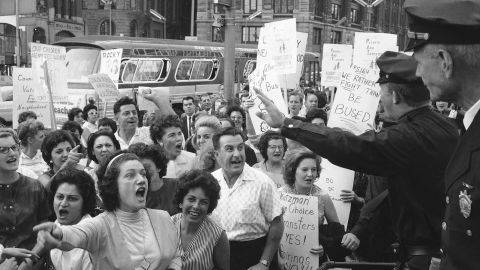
x: 470, y: 114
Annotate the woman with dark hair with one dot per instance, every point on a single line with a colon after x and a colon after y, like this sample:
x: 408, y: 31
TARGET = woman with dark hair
x: 100, y: 146
x: 237, y: 114
x: 272, y: 146
x: 317, y: 116
x: 126, y: 235
x: 204, y: 243
x: 72, y: 194
x: 90, y: 115
x: 76, y: 114
x: 166, y: 131
x: 302, y: 168
x: 160, y: 190
x: 56, y: 149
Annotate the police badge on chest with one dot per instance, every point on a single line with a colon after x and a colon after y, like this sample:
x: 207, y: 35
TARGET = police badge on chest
x: 465, y: 200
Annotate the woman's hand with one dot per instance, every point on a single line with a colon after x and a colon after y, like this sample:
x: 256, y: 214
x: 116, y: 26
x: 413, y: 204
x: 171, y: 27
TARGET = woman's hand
x: 317, y: 250
x: 49, y: 235
x: 350, y: 241
x: 73, y: 157
x: 18, y: 253
x: 9, y: 264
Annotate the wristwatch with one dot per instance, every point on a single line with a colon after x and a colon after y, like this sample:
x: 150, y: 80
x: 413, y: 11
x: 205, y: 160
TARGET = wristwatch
x: 264, y: 262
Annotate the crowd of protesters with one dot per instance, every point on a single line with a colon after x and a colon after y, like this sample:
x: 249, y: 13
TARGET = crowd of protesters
x: 200, y: 190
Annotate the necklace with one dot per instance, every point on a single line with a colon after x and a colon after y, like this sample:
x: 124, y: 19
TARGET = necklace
x: 295, y: 191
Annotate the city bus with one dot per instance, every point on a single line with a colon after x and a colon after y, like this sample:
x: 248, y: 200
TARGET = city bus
x: 187, y: 68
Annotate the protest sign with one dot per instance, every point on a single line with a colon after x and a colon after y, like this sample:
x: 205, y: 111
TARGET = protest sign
x: 110, y: 61
x: 24, y: 98
x: 369, y: 46
x: 270, y: 86
x: 61, y: 108
x: 300, y: 233
x: 353, y: 109
x: 282, y: 45
x: 147, y: 105
x: 335, y: 59
x: 49, y: 72
x: 104, y: 86
x: 292, y: 80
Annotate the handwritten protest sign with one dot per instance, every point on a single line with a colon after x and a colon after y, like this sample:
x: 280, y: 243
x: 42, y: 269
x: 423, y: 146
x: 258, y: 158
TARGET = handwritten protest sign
x: 300, y: 232
x: 282, y: 45
x: 110, y: 61
x: 49, y: 70
x: 24, y: 98
x: 292, y: 80
x: 104, y: 86
x: 335, y: 59
x: 369, y: 46
x: 353, y: 109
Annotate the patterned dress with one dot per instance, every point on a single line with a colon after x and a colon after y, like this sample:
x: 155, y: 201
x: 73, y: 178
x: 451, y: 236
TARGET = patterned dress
x: 199, y: 253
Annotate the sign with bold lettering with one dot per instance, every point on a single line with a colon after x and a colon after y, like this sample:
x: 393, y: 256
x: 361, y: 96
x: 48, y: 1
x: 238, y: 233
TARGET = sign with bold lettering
x: 353, y: 109
x: 292, y: 80
x: 369, y: 46
x: 104, y: 86
x: 300, y: 233
x: 110, y: 61
x: 24, y: 98
x: 335, y: 59
x: 49, y: 72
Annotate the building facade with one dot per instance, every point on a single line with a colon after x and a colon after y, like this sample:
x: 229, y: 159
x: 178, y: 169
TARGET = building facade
x: 325, y: 21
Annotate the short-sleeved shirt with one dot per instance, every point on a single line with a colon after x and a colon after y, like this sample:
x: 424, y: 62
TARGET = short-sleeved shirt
x: 246, y: 210
x: 23, y: 204
x: 184, y: 162
x: 36, y: 164
x: 142, y: 135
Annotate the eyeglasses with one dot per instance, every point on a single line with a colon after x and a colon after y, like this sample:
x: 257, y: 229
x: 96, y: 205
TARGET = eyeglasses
x: 5, y: 149
x: 275, y: 147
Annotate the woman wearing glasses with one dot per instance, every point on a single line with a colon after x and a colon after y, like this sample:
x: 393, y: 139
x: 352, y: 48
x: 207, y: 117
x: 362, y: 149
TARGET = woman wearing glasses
x: 272, y: 146
x: 23, y: 200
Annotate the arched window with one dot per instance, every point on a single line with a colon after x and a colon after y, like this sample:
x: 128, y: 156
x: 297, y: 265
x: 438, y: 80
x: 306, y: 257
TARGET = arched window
x: 146, y: 30
x: 133, y: 28
x: 39, y: 35
x: 105, y: 28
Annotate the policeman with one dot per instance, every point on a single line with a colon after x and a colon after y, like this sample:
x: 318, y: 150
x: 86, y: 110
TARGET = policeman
x: 412, y: 155
x: 445, y: 38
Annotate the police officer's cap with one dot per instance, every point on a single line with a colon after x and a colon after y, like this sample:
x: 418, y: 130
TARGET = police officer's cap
x: 442, y: 22
x: 397, y: 67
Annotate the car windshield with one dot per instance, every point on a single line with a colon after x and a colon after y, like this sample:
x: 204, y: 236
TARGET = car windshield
x: 81, y: 62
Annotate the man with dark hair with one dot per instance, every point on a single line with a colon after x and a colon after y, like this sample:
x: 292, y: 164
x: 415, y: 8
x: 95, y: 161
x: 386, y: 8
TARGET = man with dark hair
x: 317, y: 116
x: 187, y: 116
x: 126, y: 114
x: 255, y: 234
x: 413, y: 155
x: 445, y: 38
x: 26, y: 115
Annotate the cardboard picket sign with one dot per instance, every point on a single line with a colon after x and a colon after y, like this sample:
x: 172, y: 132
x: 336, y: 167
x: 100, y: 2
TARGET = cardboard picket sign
x: 292, y: 80
x: 335, y: 59
x: 282, y: 45
x: 24, y: 98
x: 353, y: 109
x: 300, y: 233
x: 104, y: 86
x: 369, y: 46
x: 110, y: 61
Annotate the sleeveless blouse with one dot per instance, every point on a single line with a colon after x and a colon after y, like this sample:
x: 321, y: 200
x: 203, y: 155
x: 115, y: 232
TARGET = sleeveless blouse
x: 199, y: 253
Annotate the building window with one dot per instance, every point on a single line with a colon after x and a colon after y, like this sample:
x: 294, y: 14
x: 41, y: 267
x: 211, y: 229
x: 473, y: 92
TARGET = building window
x: 317, y: 36
x: 39, y: 35
x: 319, y: 8
x: 102, y: 5
x: 133, y: 28
x: 355, y: 16
x: 218, y: 34
x: 336, y: 10
x: 250, y: 34
x: 133, y: 4
x: 105, y: 28
x: 336, y: 37
x: 84, y: 4
x: 146, y: 30
x: 283, y: 6
x: 250, y: 6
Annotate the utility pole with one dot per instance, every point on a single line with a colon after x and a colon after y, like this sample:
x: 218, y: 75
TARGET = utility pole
x: 192, y: 19
x: 17, y: 32
x: 229, y: 53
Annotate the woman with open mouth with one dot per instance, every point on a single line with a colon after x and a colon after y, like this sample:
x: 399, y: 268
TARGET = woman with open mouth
x: 73, y: 198
x: 301, y: 170
x: 204, y: 243
x: 272, y: 146
x: 127, y: 235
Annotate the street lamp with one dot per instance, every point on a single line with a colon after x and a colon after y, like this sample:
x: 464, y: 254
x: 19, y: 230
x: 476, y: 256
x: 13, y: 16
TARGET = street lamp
x: 369, y: 9
x: 162, y: 19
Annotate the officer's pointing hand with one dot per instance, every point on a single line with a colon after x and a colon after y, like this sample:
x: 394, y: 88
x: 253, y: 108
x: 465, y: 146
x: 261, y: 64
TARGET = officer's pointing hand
x: 274, y: 118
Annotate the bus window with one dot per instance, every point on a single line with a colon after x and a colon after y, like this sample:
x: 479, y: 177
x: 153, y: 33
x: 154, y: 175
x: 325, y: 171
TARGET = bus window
x: 250, y: 66
x: 81, y: 62
x: 184, y: 70
x: 197, y: 70
x: 148, y: 70
x: 129, y: 70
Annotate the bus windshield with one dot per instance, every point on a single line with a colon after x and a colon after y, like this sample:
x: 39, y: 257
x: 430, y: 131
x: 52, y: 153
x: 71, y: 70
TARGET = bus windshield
x: 81, y: 62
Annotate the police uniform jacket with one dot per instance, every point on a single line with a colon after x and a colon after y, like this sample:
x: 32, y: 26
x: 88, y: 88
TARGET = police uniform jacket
x: 412, y: 155
x: 461, y: 227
